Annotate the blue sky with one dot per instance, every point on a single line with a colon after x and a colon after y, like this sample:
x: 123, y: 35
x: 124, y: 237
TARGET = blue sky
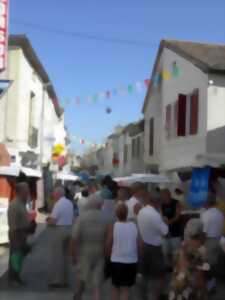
x: 79, y: 66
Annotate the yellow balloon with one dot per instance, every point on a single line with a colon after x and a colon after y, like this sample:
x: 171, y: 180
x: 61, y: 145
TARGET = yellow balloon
x: 58, y: 149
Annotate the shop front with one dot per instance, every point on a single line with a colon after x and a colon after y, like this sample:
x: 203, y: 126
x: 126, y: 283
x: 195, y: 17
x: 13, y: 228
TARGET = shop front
x: 8, y: 173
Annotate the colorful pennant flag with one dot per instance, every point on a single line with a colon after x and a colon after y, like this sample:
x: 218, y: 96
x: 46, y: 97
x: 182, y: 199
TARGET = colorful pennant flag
x: 176, y: 71
x: 138, y: 86
x: 166, y: 75
x: 147, y: 82
x: 156, y: 80
x: 114, y: 92
x: 95, y: 98
x: 108, y: 94
x: 101, y: 96
x: 77, y: 100
x: 129, y: 89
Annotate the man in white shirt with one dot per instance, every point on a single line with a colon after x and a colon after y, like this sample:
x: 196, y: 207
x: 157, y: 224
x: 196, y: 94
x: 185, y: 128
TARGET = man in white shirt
x: 134, y: 204
x: 82, y: 202
x: 213, y: 223
x: 152, y: 229
x: 60, y: 225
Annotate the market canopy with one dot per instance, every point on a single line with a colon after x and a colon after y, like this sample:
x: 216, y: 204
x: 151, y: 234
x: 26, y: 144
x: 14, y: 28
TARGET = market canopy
x: 67, y: 177
x: 151, y: 178
x: 144, y: 178
x: 12, y: 170
x: 31, y: 172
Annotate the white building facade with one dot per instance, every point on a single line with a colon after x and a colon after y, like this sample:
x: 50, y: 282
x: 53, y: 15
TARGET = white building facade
x: 185, y: 114
x: 29, y: 111
x: 122, y: 154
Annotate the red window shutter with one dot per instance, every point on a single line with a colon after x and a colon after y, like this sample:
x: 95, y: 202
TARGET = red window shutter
x: 194, y: 112
x: 181, y: 118
x: 151, y: 137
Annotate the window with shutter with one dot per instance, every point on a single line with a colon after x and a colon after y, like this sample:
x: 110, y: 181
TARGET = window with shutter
x: 175, y: 112
x: 168, y: 120
x: 181, y: 115
x: 188, y: 115
x: 151, y: 137
x: 138, y: 147
x: 125, y: 154
x: 194, y: 112
x: 133, y: 148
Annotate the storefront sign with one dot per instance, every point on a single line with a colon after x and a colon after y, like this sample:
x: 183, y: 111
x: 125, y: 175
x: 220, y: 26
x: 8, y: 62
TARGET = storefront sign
x: 3, y: 33
x: 29, y: 159
x: 199, y: 187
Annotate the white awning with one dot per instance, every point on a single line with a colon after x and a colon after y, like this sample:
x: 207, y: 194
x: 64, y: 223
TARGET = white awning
x: 31, y: 172
x: 128, y: 180
x: 151, y: 178
x: 12, y: 170
x: 211, y: 159
x: 144, y: 178
x: 67, y: 177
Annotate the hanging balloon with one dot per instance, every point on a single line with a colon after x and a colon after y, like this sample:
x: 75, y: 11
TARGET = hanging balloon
x: 58, y: 149
x: 108, y: 110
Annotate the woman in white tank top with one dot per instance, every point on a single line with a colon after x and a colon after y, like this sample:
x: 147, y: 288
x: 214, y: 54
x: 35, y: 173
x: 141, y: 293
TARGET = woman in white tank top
x: 122, y: 245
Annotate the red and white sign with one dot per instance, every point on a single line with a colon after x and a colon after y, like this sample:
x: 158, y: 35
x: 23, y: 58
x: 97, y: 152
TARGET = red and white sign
x: 3, y: 33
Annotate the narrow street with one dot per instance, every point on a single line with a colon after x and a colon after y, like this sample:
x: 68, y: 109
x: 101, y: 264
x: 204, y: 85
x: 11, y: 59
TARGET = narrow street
x: 112, y: 124
x: 35, y: 273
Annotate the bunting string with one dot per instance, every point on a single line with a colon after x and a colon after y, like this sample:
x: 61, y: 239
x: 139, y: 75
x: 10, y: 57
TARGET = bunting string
x: 85, y: 142
x: 129, y: 89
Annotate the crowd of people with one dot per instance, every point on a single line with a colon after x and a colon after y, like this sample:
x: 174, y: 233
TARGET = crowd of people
x: 127, y: 235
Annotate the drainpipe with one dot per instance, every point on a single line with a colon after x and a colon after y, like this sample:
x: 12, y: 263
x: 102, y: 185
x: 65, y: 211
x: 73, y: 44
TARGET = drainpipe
x: 41, y: 196
x: 45, y: 86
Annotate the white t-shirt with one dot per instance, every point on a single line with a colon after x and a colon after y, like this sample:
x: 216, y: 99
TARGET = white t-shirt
x: 151, y: 226
x: 82, y: 204
x: 213, y: 222
x: 131, y: 204
x: 63, y: 212
x: 124, y: 248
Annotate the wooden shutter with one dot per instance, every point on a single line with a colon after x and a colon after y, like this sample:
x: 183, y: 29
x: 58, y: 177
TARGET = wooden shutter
x: 138, y: 147
x: 125, y: 154
x: 181, y: 115
x: 175, y: 116
x: 168, y: 120
x: 188, y: 115
x: 194, y: 112
x: 133, y: 148
x: 151, y: 137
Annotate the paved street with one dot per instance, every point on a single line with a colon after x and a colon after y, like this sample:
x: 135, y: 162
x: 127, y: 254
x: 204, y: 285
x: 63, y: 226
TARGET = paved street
x: 35, y: 274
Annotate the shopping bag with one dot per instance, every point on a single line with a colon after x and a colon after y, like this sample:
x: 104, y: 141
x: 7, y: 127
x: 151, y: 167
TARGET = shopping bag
x: 16, y: 260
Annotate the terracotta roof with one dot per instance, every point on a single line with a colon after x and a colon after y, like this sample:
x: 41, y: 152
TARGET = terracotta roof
x: 21, y: 41
x: 210, y: 58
